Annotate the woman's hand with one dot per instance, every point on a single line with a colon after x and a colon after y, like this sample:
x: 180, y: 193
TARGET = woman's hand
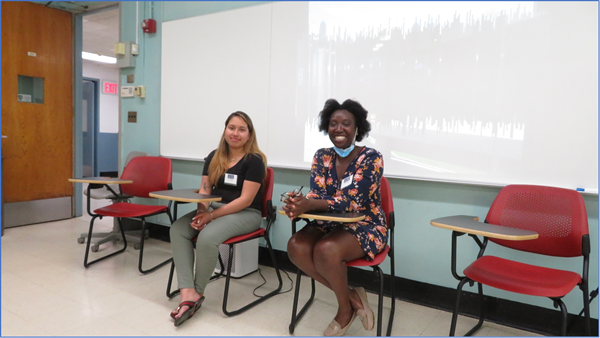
x: 295, y: 205
x: 201, y: 220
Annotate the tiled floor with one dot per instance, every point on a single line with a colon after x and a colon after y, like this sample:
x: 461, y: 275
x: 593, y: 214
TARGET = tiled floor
x: 47, y: 291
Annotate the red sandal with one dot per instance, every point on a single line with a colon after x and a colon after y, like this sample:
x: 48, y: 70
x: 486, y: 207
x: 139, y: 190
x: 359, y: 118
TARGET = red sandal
x: 192, y: 308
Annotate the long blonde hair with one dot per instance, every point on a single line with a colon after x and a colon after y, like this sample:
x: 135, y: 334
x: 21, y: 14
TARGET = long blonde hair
x: 220, y: 161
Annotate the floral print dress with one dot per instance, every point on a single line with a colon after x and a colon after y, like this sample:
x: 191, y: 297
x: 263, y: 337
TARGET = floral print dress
x: 361, y: 194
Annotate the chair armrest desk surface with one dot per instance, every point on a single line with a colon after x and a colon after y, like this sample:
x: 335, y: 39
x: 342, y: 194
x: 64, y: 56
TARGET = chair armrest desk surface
x: 184, y: 195
x: 331, y: 216
x: 100, y: 180
x: 471, y: 225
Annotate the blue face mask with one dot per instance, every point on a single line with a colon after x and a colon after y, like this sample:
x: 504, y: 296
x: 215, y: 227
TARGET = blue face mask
x: 347, y: 151
x: 344, y: 152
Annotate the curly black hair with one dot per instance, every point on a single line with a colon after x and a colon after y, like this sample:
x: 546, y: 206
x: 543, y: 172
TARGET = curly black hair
x: 354, y: 108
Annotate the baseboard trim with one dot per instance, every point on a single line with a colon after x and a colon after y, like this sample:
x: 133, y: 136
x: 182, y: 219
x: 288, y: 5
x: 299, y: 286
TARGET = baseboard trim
x: 521, y: 316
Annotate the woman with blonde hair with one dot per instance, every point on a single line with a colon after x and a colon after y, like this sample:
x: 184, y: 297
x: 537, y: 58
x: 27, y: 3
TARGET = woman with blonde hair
x: 235, y: 172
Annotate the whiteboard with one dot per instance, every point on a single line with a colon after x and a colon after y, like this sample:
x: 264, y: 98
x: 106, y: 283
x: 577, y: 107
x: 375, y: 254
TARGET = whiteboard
x: 489, y: 93
x: 213, y: 65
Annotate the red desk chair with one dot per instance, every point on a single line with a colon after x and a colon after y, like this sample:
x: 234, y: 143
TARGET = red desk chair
x: 148, y: 173
x: 268, y: 212
x: 559, y: 217
x: 113, y: 193
x: 388, y: 207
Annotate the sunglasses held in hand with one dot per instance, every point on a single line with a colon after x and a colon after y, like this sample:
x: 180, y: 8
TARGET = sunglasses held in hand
x: 292, y: 193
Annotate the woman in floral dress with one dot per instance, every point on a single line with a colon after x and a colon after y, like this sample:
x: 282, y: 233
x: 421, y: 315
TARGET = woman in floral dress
x: 345, y: 178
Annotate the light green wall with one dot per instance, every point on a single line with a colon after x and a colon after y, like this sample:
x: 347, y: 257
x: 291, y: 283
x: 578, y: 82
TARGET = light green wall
x: 422, y: 251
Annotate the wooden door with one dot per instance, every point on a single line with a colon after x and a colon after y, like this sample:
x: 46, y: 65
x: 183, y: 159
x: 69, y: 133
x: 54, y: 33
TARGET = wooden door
x: 37, y: 42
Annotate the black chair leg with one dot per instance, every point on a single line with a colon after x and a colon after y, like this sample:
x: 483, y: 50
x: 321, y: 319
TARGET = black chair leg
x: 222, y: 271
x: 380, y: 302
x: 87, y: 248
x: 481, y: 311
x: 260, y: 299
x: 379, y: 272
x: 586, y: 309
x: 391, y: 320
x: 170, y: 293
x: 297, y: 316
x: 477, y: 326
x: 392, y: 307
x: 142, y: 237
x: 393, y: 288
x: 558, y: 303
x: 227, y: 280
x: 456, y: 305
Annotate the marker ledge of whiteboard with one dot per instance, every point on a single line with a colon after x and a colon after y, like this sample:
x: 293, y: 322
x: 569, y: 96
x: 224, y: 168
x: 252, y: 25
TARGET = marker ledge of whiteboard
x: 591, y: 191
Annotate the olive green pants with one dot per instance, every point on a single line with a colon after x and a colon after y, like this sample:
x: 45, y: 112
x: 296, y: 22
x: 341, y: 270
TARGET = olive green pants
x: 207, y: 245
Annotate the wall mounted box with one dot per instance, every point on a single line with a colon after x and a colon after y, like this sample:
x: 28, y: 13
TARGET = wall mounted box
x: 120, y: 48
x: 127, y: 91
x: 140, y: 91
x: 127, y: 59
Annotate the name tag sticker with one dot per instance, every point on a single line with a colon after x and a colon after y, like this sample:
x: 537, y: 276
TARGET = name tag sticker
x: 346, y: 181
x: 230, y: 179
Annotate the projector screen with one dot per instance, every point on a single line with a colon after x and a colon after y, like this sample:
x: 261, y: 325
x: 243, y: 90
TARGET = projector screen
x: 489, y: 93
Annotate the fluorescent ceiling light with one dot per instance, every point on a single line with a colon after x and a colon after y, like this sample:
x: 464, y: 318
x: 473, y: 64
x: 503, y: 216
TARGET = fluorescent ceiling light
x: 97, y: 57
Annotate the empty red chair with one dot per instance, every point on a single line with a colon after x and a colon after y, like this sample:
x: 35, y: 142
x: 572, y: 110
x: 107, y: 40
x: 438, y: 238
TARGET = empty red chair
x: 148, y: 173
x: 560, y: 219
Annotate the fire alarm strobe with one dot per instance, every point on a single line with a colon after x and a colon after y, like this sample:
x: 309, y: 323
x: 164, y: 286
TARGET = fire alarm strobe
x: 149, y: 26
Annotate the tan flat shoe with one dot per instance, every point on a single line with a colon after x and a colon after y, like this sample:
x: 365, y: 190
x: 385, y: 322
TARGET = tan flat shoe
x: 335, y: 329
x: 366, y: 314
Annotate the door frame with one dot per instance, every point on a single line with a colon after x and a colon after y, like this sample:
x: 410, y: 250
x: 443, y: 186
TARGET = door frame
x: 96, y: 128
x: 77, y: 202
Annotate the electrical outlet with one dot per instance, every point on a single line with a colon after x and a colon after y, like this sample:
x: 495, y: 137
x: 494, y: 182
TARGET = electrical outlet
x: 132, y: 116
